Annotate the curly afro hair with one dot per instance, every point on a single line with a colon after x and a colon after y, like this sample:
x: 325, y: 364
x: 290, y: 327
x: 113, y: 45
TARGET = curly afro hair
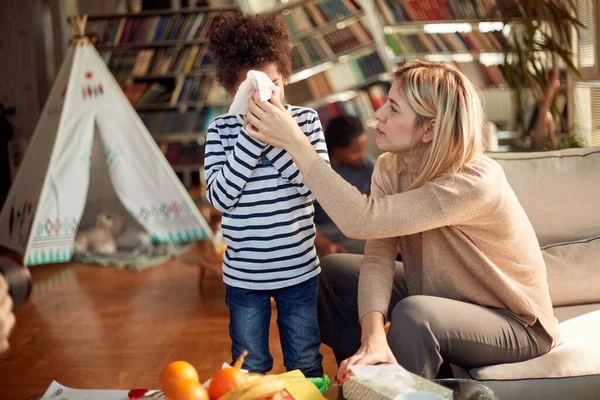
x: 241, y: 42
x: 341, y: 131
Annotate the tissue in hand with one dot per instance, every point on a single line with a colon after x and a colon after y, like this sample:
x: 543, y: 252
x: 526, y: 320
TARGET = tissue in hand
x: 255, y: 80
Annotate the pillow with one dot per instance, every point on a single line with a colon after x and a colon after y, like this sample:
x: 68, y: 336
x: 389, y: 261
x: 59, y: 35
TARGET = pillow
x: 559, y: 191
x: 573, y: 272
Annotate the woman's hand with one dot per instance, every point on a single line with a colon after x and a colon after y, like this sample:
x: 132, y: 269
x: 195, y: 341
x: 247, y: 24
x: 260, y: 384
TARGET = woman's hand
x: 374, y: 350
x: 271, y: 123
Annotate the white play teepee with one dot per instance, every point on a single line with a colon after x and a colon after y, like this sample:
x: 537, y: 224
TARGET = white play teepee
x: 46, y: 202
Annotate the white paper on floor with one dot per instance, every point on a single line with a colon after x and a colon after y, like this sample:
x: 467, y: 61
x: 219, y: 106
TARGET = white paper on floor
x: 56, y: 391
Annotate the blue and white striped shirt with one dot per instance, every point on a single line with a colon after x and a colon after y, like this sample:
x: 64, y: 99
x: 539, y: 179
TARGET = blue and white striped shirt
x: 267, y: 211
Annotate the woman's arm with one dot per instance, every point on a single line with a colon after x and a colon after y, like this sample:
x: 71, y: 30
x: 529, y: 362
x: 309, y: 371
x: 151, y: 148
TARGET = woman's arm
x: 357, y: 215
x: 377, y: 272
x: 311, y: 127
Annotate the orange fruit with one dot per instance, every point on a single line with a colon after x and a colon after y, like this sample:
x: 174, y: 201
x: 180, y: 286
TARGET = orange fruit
x: 227, y: 378
x: 188, y: 389
x: 175, y: 372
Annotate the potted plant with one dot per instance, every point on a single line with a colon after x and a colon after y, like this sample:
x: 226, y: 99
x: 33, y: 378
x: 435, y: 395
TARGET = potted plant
x: 540, y: 44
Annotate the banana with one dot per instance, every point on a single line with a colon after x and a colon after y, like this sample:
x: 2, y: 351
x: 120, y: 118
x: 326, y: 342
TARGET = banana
x: 264, y: 388
x: 255, y: 386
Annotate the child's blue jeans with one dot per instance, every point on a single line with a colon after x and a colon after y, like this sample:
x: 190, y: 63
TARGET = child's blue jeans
x: 250, y: 317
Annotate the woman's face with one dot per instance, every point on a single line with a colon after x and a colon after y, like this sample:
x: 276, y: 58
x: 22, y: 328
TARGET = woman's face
x: 396, y: 125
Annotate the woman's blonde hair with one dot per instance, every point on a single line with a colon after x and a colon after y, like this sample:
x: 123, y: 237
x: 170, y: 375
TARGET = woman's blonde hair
x: 441, y: 93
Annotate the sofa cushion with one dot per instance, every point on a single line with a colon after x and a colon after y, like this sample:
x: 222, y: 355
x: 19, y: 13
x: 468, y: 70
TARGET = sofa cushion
x: 579, y: 355
x: 559, y: 191
x: 568, y: 312
x: 574, y: 388
x: 573, y: 272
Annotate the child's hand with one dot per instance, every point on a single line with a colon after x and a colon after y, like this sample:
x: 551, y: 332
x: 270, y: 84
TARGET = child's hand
x: 334, y: 248
x: 247, y: 125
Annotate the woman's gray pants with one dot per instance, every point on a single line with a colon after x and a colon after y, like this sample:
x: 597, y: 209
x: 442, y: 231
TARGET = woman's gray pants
x: 425, y: 331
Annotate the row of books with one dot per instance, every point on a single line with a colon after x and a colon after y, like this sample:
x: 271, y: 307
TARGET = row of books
x: 482, y: 75
x: 158, y: 61
x: 315, y: 49
x: 363, y: 105
x: 198, y: 88
x: 314, y: 14
x: 184, y: 90
x: 150, y: 29
x: 421, y: 43
x: 143, y: 93
x: 340, y: 77
x: 127, y: 64
x: 163, y: 123
x: 181, y: 154
x: 397, y: 11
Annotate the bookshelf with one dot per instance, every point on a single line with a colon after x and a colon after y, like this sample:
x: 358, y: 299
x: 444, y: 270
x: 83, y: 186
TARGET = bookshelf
x: 335, y: 55
x: 145, y: 45
x: 468, y: 34
x: 477, y: 37
x: 160, y: 58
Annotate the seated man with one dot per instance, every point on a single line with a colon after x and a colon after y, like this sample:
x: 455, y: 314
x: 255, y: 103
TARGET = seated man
x: 347, y: 147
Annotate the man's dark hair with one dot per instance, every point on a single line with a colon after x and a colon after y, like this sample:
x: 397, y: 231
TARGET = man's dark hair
x: 341, y: 131
x: 241, y: 42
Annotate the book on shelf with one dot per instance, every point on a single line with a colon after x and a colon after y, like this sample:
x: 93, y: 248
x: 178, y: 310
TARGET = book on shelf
x: 156, y: 62
x: 406, y: 44
x: 152, y: 29
x: 363, y: 105
x: 483, y: 76
x: 151, y: 94
x: 134, y: 91
x: 164, y: 123
x: 342, y: 76
x: 320, y: 47
x: 306, y: 17
x: 398, y: 11
x: 181, y: 154
x: 198, y: 88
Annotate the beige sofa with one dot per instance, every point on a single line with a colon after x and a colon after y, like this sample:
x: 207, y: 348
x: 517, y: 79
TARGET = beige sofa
x: 560, y: 191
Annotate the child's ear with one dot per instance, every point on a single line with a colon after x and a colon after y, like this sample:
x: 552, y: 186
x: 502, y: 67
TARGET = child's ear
x: 285, y: 81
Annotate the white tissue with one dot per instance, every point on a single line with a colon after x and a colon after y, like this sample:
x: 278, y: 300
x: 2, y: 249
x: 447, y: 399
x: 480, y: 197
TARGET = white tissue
x: 255, y: 80
x: 391, y: 375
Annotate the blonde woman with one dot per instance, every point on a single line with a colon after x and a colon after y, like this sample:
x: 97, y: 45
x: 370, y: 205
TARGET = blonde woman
x: 472, y: 288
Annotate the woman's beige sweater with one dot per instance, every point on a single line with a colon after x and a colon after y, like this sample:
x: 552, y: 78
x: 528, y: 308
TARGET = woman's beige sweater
x: 463, y: 237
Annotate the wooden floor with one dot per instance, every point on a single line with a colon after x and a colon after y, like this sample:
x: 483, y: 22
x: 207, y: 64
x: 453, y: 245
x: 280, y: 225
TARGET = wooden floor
x: 99, y: 328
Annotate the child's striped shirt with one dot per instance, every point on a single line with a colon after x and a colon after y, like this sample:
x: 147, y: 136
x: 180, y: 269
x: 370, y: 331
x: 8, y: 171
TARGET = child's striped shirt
x: 267, y: 211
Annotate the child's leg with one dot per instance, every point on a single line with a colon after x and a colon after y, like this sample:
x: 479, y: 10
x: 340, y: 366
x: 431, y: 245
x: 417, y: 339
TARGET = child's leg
x: 299, y: 327
x: 249, y: 320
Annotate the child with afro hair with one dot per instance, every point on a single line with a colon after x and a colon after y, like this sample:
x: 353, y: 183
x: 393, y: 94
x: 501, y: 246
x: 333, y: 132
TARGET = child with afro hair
x: 267, y: 211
